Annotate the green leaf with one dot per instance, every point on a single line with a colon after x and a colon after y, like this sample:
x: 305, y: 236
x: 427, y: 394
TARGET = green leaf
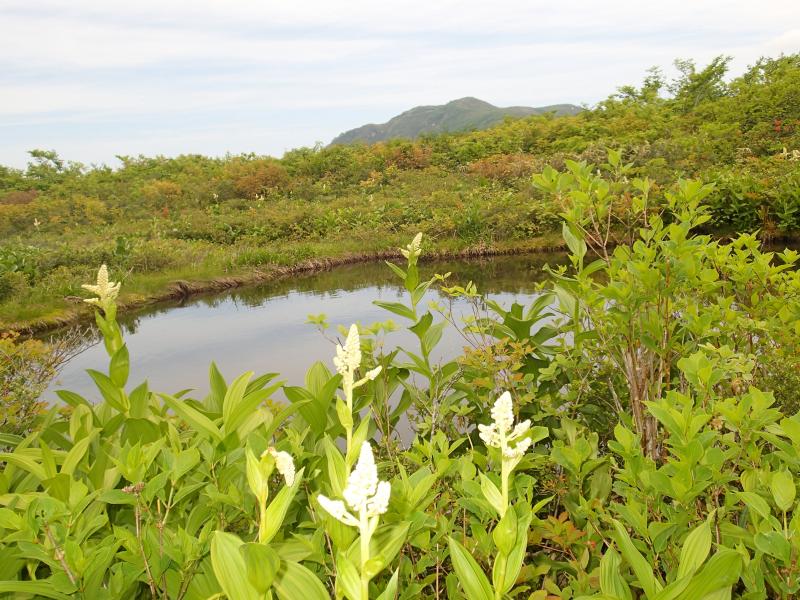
x: 76, y: 454
x: 35, y: 588
x: 492, y: 494
x: 397, y: 270
x: 233, y: 396
x: 255, y: 478
x: 774, y: 544
x: 229, y: 567
x: 347, y: 577
x: 397, y: 308
x: 721, y: 571
x: 296, y: 582
x: 218, y: 387
x: 337, y: 470
x: 116, y: 497
x: 26, y: 463
x: 120, y: 366
x: 574, y: 241
x: 385, y: 543
x: 612, y: 583
x: 193, y: 417
x: 262, y: 564
x: 138, y: 399
x: 505, y: 532
x: 72, y: 398
x: 783, y: 490
x: 9, y: 519
x: 277, y: 509
x: 508, y: 568
x: 473, y: 580
x: 247, y: 406
x: 695, y: 550
x: 110, y: 392
x: 641, y: 568
x: 755, y: 503
x: 308, y: 408
x: 391, y: 588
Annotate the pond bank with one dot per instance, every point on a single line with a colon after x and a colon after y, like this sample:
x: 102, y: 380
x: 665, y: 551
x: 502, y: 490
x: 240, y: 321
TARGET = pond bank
x: 78, y: 312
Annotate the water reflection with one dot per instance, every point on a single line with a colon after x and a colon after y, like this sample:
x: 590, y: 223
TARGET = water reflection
x: 263, y: 328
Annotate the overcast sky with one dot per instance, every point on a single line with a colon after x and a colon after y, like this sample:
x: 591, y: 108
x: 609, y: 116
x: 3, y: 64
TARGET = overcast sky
x: 93, y: 79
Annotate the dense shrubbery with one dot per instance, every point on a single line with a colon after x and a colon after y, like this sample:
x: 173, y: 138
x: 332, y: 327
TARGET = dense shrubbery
x: 461, y: 190
x: 613, y: 440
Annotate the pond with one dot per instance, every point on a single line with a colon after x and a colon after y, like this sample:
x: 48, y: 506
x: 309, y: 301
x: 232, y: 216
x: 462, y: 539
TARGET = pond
x: 264, y: 328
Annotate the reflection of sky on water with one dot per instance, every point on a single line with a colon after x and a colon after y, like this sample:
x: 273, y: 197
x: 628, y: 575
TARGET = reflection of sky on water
x: 264, y: 330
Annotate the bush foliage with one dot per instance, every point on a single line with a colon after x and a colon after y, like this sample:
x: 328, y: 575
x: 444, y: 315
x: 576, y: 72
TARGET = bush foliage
x: 615, y: 439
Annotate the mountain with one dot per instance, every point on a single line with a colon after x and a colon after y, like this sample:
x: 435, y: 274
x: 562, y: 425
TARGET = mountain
x: 458, y: 115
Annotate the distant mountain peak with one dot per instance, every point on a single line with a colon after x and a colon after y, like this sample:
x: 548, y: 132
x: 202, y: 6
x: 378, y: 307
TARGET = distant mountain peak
x: 461, y: 114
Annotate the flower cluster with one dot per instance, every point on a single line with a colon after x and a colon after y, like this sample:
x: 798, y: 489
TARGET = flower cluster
x: 284, y: 463
x: 105, y: 290
x: 502, y: 431
x: 413, y: 250
x: 348, y: 357
x: 347, y: 361
x: 365, y: 494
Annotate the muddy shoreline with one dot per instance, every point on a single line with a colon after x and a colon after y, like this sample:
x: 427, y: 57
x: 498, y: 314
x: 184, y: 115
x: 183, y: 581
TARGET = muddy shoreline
x: 182, y: 289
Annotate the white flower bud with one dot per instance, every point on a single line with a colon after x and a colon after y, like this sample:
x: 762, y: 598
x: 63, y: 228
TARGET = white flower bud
x: 373, y: 373
x: 337, y: 510
x: 518, y: 450
x: 379, y: 503
x: 520, y: 429
x: 489, y: 435
x: 284, y: 463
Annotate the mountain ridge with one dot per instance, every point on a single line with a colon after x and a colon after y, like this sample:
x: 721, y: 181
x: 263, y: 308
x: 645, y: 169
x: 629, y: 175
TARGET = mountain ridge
x: 457, y: 115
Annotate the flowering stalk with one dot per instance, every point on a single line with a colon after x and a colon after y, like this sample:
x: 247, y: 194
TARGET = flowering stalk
x: 368, y: 498
x: 347, y: 361
x: 413, y: 250
x: 106, y: 292
x: 501, y: 433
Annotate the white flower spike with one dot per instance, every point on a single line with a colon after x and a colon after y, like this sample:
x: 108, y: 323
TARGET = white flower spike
x: 348, y: 357
x: 366, y: 496
x: 503, y: 420
x: 413, y: 250
x: 500, y: 434
x: 347, y: 362
x: 105, y: 290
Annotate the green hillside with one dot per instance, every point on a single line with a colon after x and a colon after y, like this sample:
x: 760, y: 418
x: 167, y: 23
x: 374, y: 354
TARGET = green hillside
x: 459, y: 115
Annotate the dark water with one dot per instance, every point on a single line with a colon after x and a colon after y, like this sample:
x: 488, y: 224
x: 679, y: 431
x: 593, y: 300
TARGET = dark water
x: 263, y: 328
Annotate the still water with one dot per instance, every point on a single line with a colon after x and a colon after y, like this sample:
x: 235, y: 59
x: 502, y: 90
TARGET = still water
x: 263, y: 328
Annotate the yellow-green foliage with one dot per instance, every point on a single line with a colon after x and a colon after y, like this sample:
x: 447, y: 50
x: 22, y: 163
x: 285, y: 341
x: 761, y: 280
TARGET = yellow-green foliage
x: 26, y: 367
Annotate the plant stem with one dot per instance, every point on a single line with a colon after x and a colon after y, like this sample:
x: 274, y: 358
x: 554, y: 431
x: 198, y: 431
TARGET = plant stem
x: 262, y: 522
x: 59, y: 554
x: 364, y: 538
x: 504, y: 486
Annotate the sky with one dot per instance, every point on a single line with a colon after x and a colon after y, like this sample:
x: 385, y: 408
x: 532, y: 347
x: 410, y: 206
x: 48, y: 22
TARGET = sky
x: 95, y: 79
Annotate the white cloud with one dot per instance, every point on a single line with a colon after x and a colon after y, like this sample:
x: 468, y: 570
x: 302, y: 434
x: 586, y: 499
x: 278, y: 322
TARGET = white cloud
x: 93, y: 61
